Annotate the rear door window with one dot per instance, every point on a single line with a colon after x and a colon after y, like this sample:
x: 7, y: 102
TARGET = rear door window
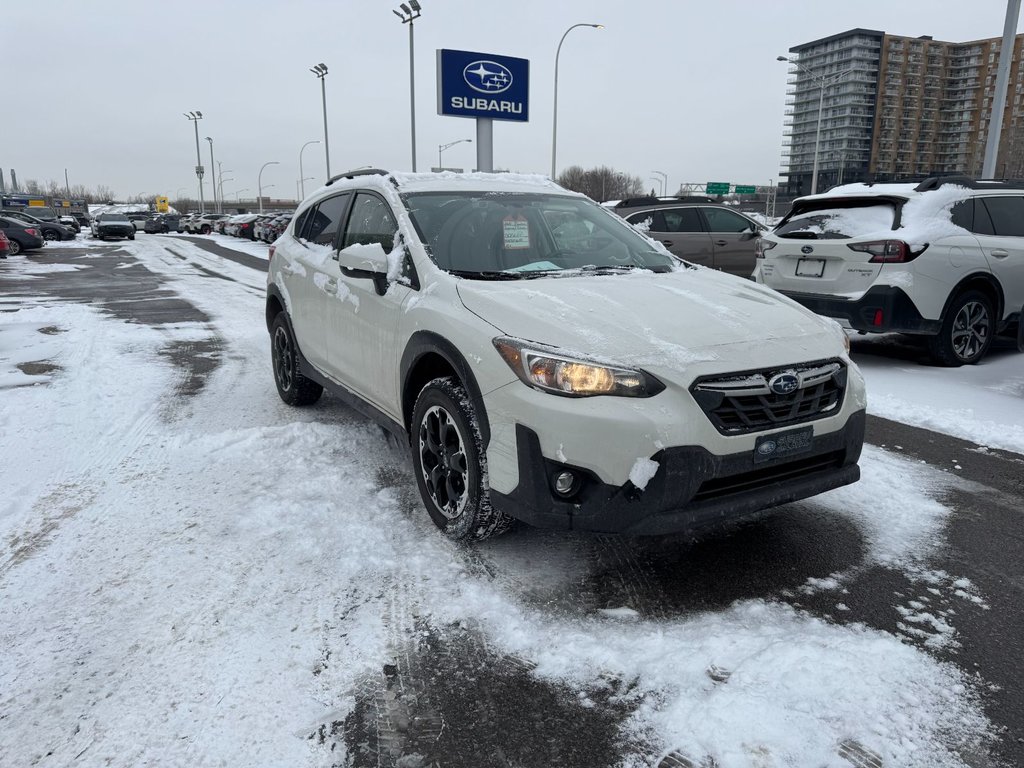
x: 1007, y: 215
x: 840, y: 221
x: 323, y: 223
x: 682, y: 220
x: 651, y: 221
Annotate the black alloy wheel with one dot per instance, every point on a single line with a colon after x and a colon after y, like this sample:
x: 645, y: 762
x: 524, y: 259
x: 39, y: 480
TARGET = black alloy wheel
x: 450, y: 465
x: 51, y: 235
x: 292, y: 386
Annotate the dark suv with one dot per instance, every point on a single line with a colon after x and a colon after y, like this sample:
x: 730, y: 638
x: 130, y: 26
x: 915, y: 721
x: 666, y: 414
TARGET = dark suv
x: 697, y: 229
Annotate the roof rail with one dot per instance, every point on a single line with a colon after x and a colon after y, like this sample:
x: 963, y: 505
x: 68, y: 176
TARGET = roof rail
x: 935, y: 182
x: 357, y: 172
x: 668, y: 199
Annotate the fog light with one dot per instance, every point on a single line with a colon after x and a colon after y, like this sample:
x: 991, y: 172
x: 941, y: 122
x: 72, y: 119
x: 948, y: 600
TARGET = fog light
x: 564, y: 483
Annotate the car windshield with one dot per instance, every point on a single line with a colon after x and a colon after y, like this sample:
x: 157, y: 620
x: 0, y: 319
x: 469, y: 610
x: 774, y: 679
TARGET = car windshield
x: 839, y: 220
x: 527, y: 235
x: 118, y: 218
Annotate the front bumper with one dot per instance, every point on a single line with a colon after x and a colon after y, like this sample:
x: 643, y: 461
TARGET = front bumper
x: 693, y: 489
x: 115, y: 231
x: 880, y: 310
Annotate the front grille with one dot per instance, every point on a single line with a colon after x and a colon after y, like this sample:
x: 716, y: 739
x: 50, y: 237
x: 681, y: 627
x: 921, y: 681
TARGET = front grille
x: 744, y: 402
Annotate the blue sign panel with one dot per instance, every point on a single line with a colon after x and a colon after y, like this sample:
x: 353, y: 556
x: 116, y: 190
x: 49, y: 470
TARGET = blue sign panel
x: 483, y: 85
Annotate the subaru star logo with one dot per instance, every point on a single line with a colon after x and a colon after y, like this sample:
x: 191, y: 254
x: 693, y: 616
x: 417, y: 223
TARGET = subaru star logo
x: 807, y: 249
x: 783, y: 383
x: 767, y: 447
x: 487, y: 77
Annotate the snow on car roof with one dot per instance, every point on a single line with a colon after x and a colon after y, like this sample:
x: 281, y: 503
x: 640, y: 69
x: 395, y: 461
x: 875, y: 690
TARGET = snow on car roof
x: 906, y: 190
x: 455, y: 182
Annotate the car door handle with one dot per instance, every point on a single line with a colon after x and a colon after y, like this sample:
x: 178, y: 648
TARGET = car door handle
x: 667, y: 243
x: 999, y: 253
x: 721, y: 242
x: 331, y: 286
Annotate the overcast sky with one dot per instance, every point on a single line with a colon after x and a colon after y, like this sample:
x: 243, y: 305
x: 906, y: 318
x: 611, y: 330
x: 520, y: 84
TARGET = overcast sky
x: 688, y: 88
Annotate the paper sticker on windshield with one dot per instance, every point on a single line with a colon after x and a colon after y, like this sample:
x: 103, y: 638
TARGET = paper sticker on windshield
x: 516, y: 232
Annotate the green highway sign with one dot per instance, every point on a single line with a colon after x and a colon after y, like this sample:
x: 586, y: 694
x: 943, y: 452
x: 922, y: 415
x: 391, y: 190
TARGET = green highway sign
x: 745, y: 190
x: 718, y: 188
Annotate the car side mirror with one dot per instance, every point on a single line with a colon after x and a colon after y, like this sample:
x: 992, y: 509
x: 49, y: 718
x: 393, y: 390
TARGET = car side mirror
x: 365, y: 260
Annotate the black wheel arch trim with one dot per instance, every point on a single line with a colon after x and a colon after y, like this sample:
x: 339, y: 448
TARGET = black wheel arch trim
x: 993, y: 283
x: 423, y: 343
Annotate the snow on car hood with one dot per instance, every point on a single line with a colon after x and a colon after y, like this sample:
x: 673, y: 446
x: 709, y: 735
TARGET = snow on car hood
x: 659, y: 321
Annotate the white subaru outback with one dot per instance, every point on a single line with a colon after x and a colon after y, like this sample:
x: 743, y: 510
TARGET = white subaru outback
x: 548, y: 363
x: 943, y: 259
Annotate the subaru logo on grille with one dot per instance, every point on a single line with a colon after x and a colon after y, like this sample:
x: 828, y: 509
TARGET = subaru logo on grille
x: 783, y: 383
x: 807, y: 249
x: 487, y: 77
x: 767, y: 447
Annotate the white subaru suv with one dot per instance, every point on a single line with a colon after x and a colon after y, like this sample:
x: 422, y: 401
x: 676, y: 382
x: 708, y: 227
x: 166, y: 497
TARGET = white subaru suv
x: 546, y: 362
x: 943, y: 259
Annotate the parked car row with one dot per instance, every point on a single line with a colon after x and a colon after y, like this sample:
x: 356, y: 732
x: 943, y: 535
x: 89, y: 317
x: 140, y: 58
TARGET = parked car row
x: 21, y: 235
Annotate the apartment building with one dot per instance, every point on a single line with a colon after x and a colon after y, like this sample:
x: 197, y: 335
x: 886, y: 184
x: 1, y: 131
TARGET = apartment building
x: 896, y: 107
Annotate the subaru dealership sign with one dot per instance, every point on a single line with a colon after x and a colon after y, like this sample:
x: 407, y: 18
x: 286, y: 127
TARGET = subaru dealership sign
x: 482, y: 85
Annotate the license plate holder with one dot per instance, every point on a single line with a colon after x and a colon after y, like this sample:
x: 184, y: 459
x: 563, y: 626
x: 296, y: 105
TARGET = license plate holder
x: 810, y: 268
x: 782, y: 445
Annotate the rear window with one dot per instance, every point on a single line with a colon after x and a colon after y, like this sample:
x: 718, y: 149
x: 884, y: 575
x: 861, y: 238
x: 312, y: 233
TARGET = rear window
x: 839, y: 221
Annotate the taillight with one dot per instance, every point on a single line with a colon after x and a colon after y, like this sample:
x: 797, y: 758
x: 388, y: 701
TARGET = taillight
x: 887, y: 251
x: 32, y: 231
x: 761, y: 246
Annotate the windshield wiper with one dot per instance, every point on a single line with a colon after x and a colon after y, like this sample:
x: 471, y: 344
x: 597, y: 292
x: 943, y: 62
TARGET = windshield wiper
x: 485, y: 275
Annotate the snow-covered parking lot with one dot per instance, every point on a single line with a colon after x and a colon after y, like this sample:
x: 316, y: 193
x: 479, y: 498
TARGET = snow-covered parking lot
x: 194, y: 574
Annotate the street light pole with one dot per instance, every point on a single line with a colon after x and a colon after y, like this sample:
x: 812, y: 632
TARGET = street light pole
x: 302, y: 176
x: 442, y: 147
x: 408, y: 14
x: 238, y: 194
x: 320, y: 70
x: 664, y: 182
x: 259, y: 181
x: 195, y: 117
x: 822, y: 82
x: 216, y: 204
x: 554, y: 119
x: 220, y: 184
x: 995, y: 117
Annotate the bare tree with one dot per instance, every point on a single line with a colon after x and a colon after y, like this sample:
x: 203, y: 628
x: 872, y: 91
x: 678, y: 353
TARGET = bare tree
x: 601, y: 183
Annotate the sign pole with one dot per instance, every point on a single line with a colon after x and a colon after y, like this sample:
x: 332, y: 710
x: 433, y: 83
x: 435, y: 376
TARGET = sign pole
x: 485, y: 145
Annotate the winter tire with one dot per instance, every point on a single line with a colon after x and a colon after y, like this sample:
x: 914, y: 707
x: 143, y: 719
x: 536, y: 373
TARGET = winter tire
x: 14, y: 247
x: 131, y: 237
x: 50, y: 235
x: 966, y: 332
x: 449, y: 463
x: 292, y: 386
x: 205, y: 230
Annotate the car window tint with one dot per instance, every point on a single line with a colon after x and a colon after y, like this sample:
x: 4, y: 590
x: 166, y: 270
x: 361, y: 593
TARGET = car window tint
x: 371, y: 222
x: 839, y: 219
x: 682, y: 220
x: 655, y: 220
x: 721, y: 220
x: 1007, y: 215
x: 962, y: 214
x: 325, y: 220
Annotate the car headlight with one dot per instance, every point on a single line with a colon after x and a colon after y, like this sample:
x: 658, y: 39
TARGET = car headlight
x: 560, y: 374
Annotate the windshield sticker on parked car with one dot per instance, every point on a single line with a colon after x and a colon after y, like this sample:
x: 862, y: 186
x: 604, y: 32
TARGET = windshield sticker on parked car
x: 516, y: 231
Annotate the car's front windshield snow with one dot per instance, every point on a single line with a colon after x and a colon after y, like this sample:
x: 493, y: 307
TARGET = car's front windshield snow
x: 488, y: 235
x: 116, y: 218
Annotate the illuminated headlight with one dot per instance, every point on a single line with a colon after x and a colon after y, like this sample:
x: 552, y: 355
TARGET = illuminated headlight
x: 574, y: 377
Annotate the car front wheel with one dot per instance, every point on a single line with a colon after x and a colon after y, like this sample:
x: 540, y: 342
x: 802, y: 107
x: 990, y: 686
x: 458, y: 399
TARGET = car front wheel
x: 449, y: 463
x: 966, y: 332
